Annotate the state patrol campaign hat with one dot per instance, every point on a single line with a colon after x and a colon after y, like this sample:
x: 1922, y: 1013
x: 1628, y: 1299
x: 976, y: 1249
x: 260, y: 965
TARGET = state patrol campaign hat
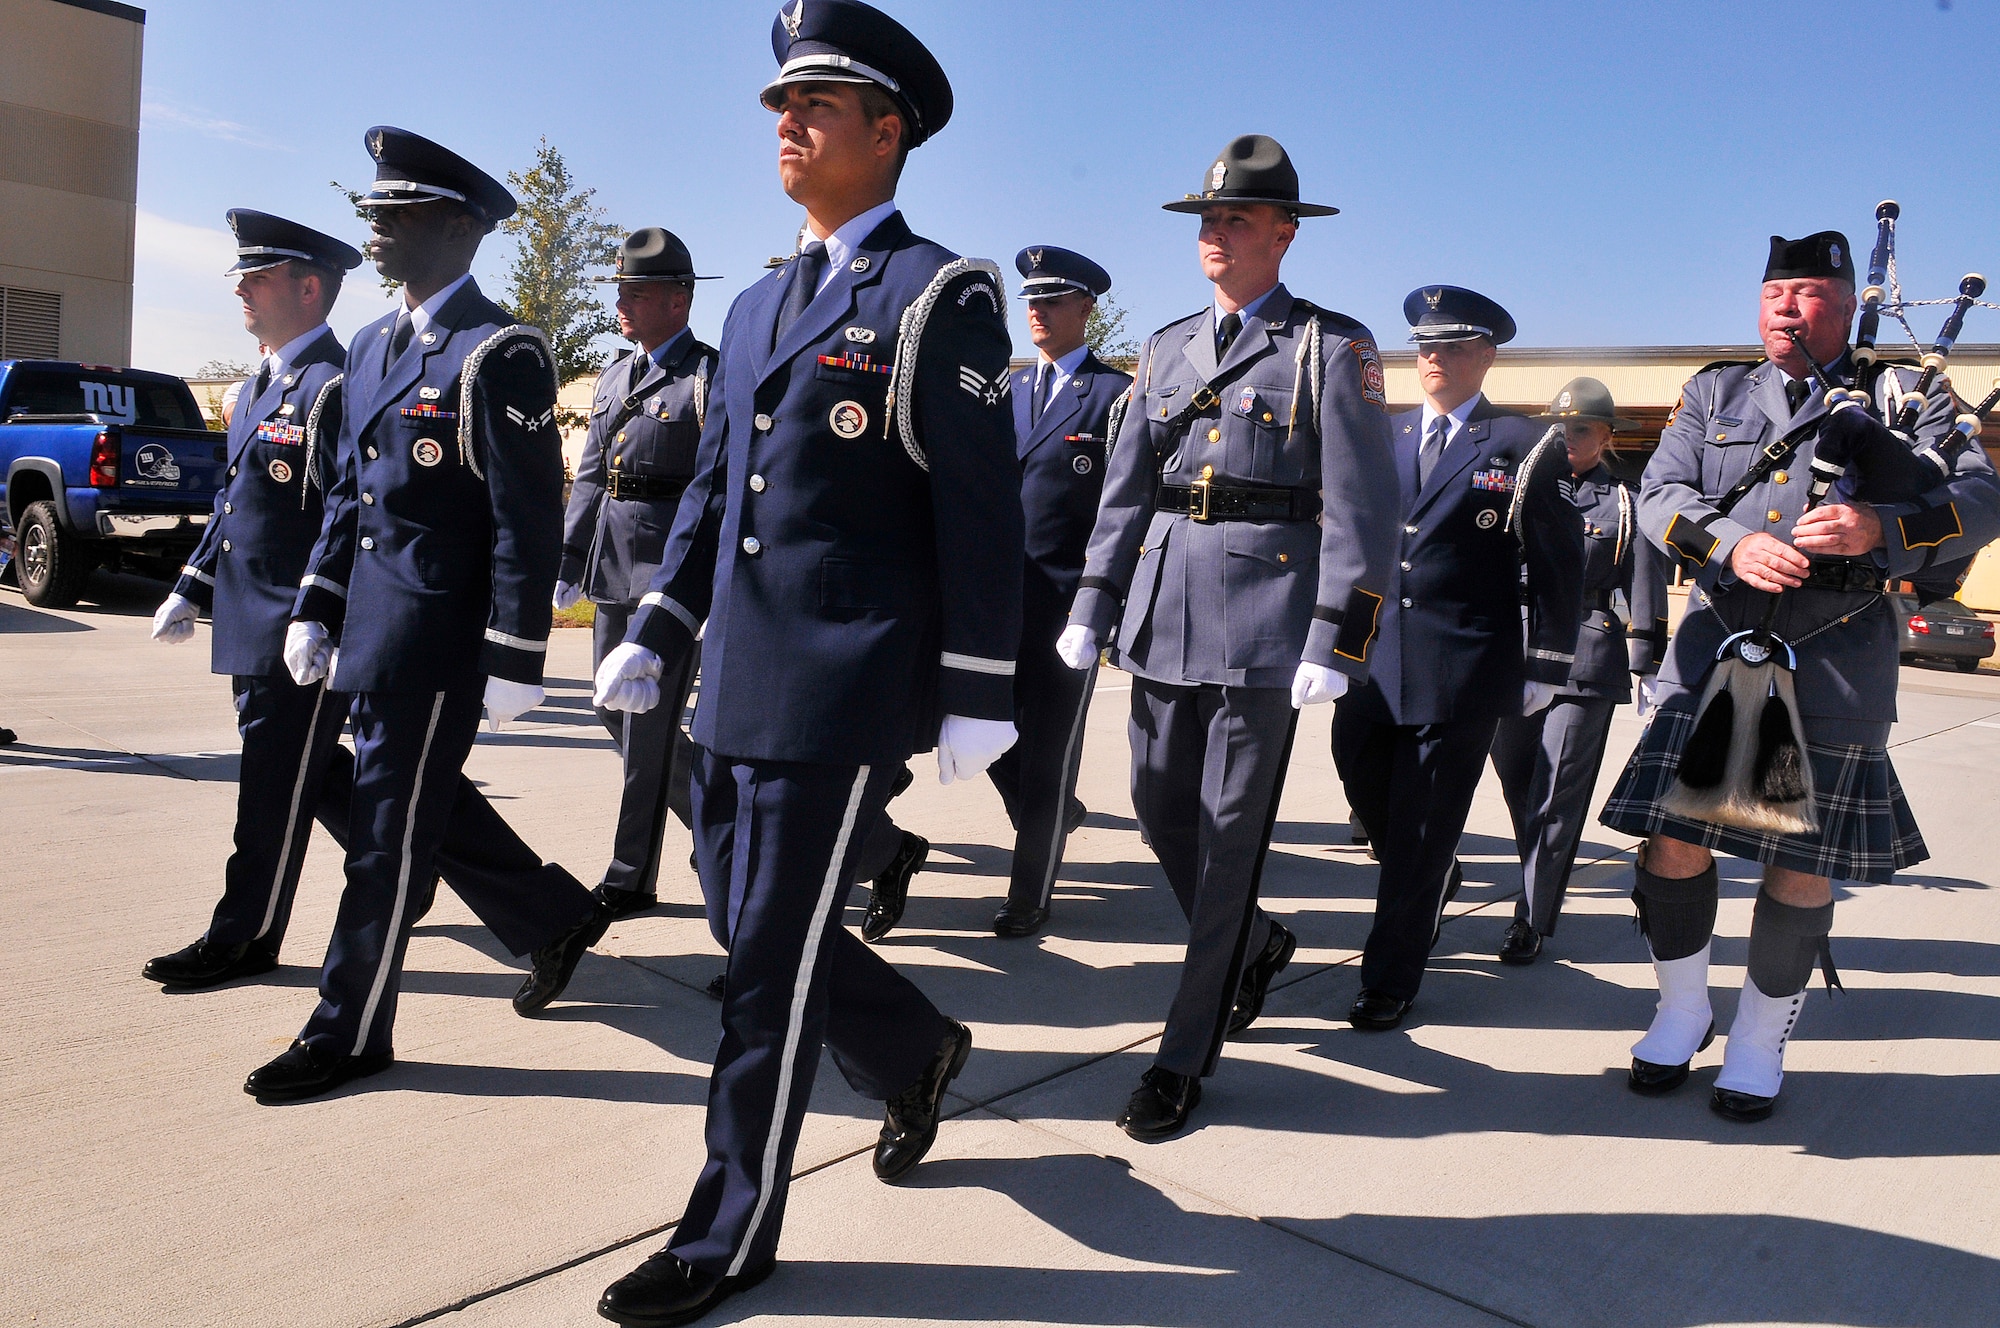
x: 1587, y: 399
x: 409, y: 168
x: 264, y: 241
x: 1252, y: 169
x: 1050, y: 272
x: 653, y: 253
x: 1453, y: 313
x: 1826, y: 254
x: 845, y: 41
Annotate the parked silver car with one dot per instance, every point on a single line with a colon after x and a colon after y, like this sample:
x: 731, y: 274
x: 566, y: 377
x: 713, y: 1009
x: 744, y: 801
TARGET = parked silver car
x: 1942, y: 630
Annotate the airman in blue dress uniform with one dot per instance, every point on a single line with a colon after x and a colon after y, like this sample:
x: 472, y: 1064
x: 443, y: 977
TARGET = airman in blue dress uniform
x: 638, y: 456
x: 850, y: 549
x: 1488, y: 529
x: 1242, y: 552
x: 1830, y: 566
x: 428, y: 597
x: 1548, y: 761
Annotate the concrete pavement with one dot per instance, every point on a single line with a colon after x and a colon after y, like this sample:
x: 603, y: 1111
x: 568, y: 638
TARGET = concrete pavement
x: 1483, y: 1165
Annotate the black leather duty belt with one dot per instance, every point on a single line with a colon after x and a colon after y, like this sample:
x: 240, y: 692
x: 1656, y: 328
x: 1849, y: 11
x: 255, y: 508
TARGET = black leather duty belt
x: 1205, y: 501
x: 1835, y: 575
x: 642, y: 486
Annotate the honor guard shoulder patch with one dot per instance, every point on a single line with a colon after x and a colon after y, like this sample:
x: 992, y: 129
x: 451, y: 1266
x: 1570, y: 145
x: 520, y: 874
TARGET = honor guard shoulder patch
x: 1373, y: 386
x: 980, y: 288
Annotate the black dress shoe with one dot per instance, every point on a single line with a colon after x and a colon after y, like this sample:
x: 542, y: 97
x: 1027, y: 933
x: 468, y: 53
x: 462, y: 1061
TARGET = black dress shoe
x: 1257, y: 976
x: 1651, y: 1079
x: 1376, y: 1011
x: 1160, y: 1106
x: 1522, y: 943
x: 666, y: 1290
x: 892, y: 888
x: 1452, y: 882
x: 205, y: 963
x: 718, y: 986
x: 620, y: 903
x: 556, y: 962
x: 903, y: 781
x: 1074, y: 816
x: 303, y: 1072
x: 910, y: 1119
x: 1015, y: 920
x: 1740, y: 1106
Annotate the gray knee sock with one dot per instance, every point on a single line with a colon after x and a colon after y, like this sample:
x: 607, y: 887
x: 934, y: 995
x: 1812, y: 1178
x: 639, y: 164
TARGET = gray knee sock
x: 1676, y: 913
x: 1784, y: 941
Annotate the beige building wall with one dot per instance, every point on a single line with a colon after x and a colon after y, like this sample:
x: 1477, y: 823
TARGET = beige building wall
x: 69, y: 174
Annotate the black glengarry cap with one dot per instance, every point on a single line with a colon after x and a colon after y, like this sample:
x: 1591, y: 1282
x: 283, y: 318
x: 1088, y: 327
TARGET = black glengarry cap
x: 1826, y: 254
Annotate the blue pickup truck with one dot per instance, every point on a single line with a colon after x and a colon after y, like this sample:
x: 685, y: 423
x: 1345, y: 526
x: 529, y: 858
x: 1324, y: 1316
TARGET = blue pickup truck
x: 104, y: 467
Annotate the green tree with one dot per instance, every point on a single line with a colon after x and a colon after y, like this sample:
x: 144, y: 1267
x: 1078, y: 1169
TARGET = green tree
x: 353, y: 197
x: 1106, y: 334
x: 560, y: 236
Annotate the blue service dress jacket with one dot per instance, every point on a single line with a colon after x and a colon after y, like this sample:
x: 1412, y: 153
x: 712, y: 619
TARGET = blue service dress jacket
x: 643, y: 440
x: 1233, y: 602
x: 1062, y: 458
x: 1623, y: 629
x: 1489, y: 582
x: 246, y: 568
x: 444, y: 523
x: 851, y: 545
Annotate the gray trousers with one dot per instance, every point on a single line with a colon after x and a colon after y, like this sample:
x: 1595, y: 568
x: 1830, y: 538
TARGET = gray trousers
x: 659, y: 764
x: 1548, y: 764
x: 1208, y: 769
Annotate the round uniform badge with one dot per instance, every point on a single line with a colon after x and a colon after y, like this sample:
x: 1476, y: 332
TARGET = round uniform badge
x: 280, y: 470
x: 427, y: 452
x: 849, y: 419
x: 1487, y: 519
x: 1080, y: 464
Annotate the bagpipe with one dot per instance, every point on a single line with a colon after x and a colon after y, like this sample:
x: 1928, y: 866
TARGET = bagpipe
x: 1744, y: 764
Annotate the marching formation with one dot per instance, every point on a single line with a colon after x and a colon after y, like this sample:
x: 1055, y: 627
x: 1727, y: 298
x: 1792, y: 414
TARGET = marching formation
x: 868, y: 538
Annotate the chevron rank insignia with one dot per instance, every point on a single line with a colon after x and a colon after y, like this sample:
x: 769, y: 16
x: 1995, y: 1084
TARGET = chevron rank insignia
x: 531, y: 422
x: 987, y: 390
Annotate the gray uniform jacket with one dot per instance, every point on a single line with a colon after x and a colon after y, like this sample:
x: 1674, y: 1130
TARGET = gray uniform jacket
x: 1624, y: 592
x: 647, y: 433
x: 1241, y: 602
x: 1846, y: 676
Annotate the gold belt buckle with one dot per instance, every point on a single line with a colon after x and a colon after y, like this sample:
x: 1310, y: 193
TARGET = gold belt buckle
x: 1200, y: 486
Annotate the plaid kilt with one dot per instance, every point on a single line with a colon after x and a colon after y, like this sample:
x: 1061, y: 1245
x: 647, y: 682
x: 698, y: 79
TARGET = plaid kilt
x: 1866, y: 831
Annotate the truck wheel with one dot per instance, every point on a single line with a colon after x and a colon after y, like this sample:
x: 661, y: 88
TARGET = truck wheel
x: 52, y: 564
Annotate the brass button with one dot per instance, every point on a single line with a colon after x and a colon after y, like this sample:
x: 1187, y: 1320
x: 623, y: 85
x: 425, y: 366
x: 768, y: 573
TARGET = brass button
x: 1215, y: 435
x: 1284, y: 557
x: 1267, y: 417
x: 1721, y: 437
x: 621, y: 437
x: 1781, y: 478
x: 617, y: 457
x: 1775, y: 515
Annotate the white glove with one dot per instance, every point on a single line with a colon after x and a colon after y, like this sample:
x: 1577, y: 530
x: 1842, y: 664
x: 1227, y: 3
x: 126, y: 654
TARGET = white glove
x: 1314, y: 683
x: 1649, y: 690
x: 1535, y: 696
x: 966, y: 746
x: 567, y: 595
x: 173, y: 621
x: 1076, y: 647
x: 629, y: 679
x: 307, y: 653
x: 507, y: 701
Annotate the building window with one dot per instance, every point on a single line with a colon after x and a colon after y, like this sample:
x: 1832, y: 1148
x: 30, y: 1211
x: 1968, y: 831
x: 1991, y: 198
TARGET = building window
x: 30, y: 324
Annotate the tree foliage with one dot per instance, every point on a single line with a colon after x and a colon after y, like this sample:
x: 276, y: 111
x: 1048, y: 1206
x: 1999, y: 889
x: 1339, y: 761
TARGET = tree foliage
x: 561, y: 237
x: 1106, y: 334
x: 353, y: 197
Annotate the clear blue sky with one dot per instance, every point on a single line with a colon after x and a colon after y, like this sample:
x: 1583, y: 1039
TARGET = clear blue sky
x: 1608, y: 172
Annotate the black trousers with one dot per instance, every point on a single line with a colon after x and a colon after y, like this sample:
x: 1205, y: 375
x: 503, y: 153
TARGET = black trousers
x: 1036, y: 777
x: 1208, y: 770
x: 1412, y: 787
x: 1548, y: 764
x: 409, y: 750
x: 658, y: 762
x: 775, y: 842
x: 295, y: 770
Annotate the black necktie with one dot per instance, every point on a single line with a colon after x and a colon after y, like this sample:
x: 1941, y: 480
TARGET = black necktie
x: 1795, y: 392
x: 263, y: 380
x: 1044, y: 383
x: 806, y: 271
x: 399, y: 340
x: 1225, y: 333
x: 1433, y: 448
x: 641, y: 364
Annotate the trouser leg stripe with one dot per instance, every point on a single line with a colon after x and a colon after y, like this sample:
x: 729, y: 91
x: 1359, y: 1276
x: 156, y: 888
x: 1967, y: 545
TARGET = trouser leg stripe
x: 292, y: 818
x: 392, y: 936
x: 1066, y: 788
x: 795, y: 1023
